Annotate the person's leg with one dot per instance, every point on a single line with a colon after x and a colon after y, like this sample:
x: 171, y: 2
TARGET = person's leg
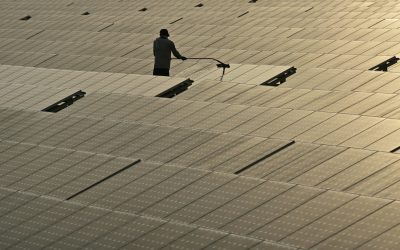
x: 160, y: 72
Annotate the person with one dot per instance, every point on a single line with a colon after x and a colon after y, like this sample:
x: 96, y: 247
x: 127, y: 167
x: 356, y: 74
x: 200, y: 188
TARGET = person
x: 162, y: 48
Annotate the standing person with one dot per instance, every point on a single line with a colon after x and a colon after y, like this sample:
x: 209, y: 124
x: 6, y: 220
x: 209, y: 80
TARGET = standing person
x: 162, y: 48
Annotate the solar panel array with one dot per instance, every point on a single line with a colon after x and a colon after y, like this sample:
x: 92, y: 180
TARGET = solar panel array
x: 227, y: 161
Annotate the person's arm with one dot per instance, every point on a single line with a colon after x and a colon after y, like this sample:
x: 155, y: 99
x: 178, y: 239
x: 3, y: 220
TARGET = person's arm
x: 175, y: 52
x: 154, y: 48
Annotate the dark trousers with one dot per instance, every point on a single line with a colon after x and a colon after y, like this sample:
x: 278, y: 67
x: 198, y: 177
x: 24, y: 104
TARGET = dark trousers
x: 160, y: 72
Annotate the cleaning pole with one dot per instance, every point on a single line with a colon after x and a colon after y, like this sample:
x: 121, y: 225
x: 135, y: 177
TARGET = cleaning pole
x: 219, y: 65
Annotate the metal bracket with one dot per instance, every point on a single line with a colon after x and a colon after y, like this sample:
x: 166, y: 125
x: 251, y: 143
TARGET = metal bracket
x: 177, y: 89
x: 384, y: 65
x: 280, y: 78
x: 67, y: 101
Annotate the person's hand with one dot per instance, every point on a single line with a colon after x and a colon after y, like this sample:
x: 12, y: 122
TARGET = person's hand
x: 183, y: 58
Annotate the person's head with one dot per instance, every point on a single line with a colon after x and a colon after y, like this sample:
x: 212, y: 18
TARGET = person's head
x: 164, y: 32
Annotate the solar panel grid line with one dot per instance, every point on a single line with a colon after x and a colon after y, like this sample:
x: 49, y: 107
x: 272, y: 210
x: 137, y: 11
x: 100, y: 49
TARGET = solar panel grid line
x: 10, y: 240
x: 27, y: 102
x: 302, y: 125
x: 86, y: 103
x: 233, y: 92
x: 120, y: 138
x: 276, y: 162
x: 258, y: 216
x: 9, y: 91
x: 130, y: 147
x: 358, y: 242
x: 245, y: 96
x: 377, y: 133
x: 317, y: 175
x: 367, y: 169
x: 167, y: 147
x: 215, y: 159
x: 283, y: 96
x: 100, y: 192
x: 365, y: 105
x: 237, y: 207
x: 94, y: 231
x: 66, y: 183
x: 259, y: 99
x: 237, y: 120
x: 276, y: 230
x: 128, y: 112
x: 304, y: 163
x: 16, y: 74
x: 166, y: 189
x: 280, y: 123
x: 324, y: 128
x: 19, y: 162
x: 347, y: 101
x: 377, y: 188
x: 16, y: 119
x: 384, y: 234
x: 104, y: 179
x: 21, y: 177
x: 388, y: 141
x: 213, y: 200
x: 63, y: 134
x: 47, y: 130
x: 306, y: 99
x: 142, y: 185
x: 25, y: 133
x: 217, y: 118
x: 90, y: 217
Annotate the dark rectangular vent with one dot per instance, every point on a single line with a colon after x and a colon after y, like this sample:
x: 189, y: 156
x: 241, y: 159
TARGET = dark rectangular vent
x: 280, y: 78
x: 265, y: 157
x: 383, y: 66
x: 67, y: 101
x: 104, y: 179
x: 176, y: 90
x: 177, y: 20
x: 395, y: 150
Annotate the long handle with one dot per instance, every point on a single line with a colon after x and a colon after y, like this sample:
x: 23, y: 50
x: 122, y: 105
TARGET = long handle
x: 219, y: 65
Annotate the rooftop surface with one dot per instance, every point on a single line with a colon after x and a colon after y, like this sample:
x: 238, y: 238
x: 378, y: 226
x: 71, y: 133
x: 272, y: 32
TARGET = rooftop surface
x: 295, y: 146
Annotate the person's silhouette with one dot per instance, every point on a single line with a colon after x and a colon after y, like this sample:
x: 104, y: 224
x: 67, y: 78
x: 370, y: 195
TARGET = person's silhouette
x: 162, y: 48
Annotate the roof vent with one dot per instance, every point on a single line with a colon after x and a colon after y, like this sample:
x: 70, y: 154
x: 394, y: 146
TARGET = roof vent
x: 177, y: 89
x: 199, y: 5
x: 280, y: 78
x: 25, y: 18
x: 67, y: 101
x: 144, y: 9
x: 85, y: 13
